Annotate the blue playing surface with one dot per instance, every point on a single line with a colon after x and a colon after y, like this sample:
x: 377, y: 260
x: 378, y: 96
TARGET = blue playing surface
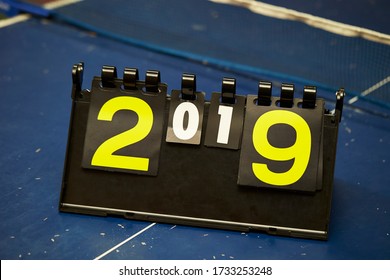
x: 35, y: 82
x: 238, y: 39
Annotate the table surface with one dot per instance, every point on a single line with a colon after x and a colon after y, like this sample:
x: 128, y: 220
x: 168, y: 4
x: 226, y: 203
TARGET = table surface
x: 35, y: 82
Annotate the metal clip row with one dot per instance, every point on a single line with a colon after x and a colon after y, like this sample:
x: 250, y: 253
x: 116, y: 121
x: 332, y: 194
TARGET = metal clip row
x: 130, y: 78
x: 286, y: 95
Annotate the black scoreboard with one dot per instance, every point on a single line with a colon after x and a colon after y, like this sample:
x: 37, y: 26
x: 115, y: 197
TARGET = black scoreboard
x: 256, y: 162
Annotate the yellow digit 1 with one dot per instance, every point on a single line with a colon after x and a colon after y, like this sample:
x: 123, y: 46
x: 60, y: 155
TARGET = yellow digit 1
x: 300, y: 151
x: 104, y: 154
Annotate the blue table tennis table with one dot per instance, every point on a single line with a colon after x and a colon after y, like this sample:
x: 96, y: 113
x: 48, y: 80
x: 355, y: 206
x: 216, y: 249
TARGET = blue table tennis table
x: 36, y: 58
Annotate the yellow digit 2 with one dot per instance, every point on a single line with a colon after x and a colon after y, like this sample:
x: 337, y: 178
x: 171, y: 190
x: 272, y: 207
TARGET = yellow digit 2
x: 300, y: 151
x: 104, y: 154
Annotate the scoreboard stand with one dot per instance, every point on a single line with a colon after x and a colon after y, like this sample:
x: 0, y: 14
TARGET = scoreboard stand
x: 135, y: 152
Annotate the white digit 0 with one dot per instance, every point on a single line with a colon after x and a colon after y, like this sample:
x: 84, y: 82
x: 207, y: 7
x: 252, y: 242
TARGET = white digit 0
x: 178, y: 121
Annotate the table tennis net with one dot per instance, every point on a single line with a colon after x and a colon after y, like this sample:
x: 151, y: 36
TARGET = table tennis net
x: 243, y: 39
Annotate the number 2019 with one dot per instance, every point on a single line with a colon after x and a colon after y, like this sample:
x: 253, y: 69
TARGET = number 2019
x: 299, y: 151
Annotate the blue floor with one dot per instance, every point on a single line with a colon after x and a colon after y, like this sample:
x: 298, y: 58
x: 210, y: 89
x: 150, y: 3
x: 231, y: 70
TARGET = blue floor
x: 35, y: 83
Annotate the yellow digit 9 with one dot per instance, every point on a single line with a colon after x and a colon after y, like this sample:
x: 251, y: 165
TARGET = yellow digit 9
x: 300, y: 151
x: 104, y: 154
